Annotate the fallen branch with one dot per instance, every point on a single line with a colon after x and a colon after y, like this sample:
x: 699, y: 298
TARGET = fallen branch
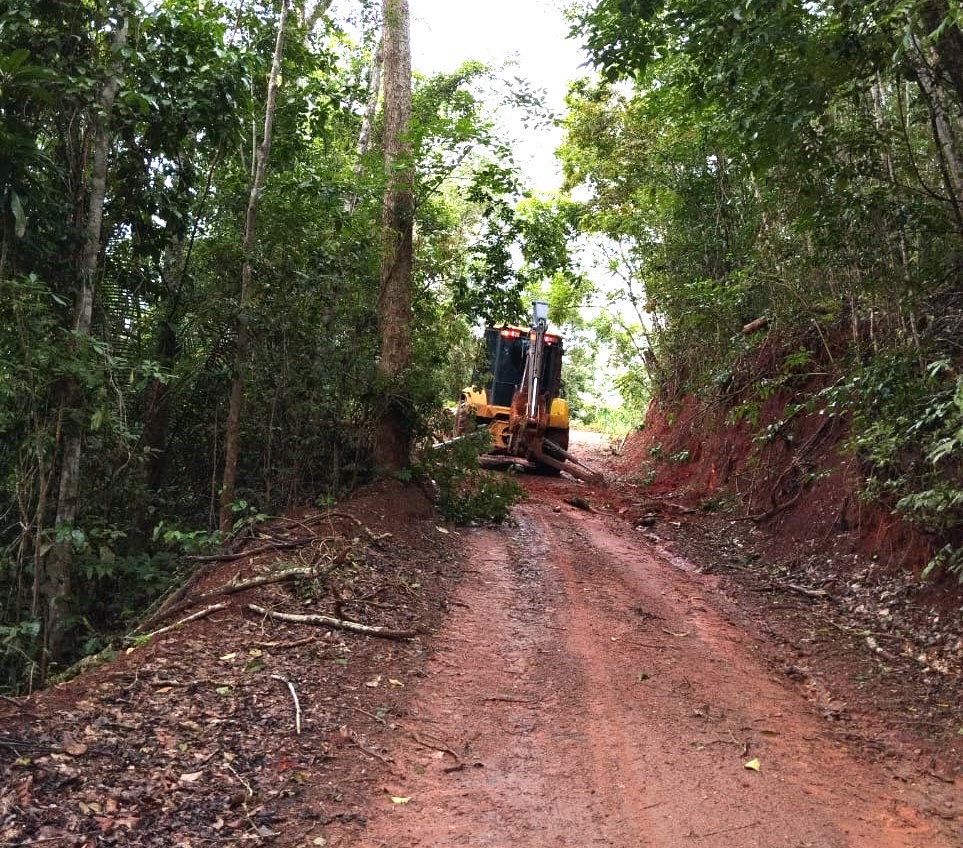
x: 758, y: 324
x: 370, y: 715
x: 294, y: 697
x: 263, y: 549
x: 370, y: 751
x: 193, y: 617
x: 508, y: 699
x: 172, y: 603
x: 237, y: 586
x: 176, y: 602
x: 693, y: 835
x: 336, y: 623
x: 436, y: 746
x: 297, y: 643
x: 372, y: 536
x: 805, y: 590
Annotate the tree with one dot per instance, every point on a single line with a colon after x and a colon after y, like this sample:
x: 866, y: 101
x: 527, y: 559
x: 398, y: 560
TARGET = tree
x: 801, y: 162
x: 393, y: 437
x: 232, y: 427
x: 56, y: 585
x: 119, y: 347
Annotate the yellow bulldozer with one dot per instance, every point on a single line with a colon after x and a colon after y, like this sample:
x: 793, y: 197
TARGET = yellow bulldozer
x: 518, y: 401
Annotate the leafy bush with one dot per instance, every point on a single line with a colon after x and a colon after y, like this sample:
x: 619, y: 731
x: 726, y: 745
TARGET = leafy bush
x: 908, y: 434
x: 19, y: 643
x: 467, y: 494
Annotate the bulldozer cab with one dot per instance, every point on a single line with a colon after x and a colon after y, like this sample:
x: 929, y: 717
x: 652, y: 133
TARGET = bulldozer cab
x: 507, y: 352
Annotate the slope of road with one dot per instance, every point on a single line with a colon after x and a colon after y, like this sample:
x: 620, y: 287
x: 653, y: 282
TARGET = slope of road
x: 584, y: 691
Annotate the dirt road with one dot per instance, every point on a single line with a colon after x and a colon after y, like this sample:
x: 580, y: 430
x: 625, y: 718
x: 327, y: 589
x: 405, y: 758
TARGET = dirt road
x: 575, y: 682
x: 586, y: 691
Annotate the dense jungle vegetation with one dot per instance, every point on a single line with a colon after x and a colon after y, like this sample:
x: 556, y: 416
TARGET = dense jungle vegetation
x: 793, y: 167
x: 194, y: 201
x: 132, y: 140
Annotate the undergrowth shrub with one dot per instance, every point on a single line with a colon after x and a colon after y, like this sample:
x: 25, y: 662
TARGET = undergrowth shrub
x: 908, y: 435
x: 467, y: 494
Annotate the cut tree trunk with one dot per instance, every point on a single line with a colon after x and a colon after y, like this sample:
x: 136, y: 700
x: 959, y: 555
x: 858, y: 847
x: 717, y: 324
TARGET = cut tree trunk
x: 393, y: 436
x: 262, y: 154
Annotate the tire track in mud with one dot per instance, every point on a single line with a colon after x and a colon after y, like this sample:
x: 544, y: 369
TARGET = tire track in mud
x: 606, y: 702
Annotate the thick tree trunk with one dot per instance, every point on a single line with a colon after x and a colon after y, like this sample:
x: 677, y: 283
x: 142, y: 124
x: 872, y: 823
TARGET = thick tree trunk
x: 232, y: 428
x: 55, y: 583
x: 393, y: 437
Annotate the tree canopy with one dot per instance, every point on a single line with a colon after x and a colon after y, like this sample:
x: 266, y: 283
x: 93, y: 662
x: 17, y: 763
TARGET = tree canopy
x: 797, y: 163
x: 167, y: 127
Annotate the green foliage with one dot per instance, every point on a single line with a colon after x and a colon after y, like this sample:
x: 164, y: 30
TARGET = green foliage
x: 614, y: 421
x: 468, y: 494
x: 19, y: 643
x: 148, y: 386
x: 186, y: 542
x: 909, y: 434
x: 785, y: 161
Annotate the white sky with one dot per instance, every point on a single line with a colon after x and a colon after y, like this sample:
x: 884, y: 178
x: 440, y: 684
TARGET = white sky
x: 446, y: 33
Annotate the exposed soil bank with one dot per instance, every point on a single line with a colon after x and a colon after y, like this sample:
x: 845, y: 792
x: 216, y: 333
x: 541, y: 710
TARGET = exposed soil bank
x: 787, y: 472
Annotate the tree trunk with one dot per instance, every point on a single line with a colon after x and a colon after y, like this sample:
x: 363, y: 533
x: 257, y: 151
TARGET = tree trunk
x: 393, y: 437
x: 55, y: 583
x: 924, y: 66
x: 311, y: 18
x: 948, y: 44
x: 166, y: 348
x: 263, y: 152
x: 371, y: 109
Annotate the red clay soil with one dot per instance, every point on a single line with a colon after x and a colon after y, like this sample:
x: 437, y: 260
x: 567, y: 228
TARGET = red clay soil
x: 583, y: 680
x: 801, y: 482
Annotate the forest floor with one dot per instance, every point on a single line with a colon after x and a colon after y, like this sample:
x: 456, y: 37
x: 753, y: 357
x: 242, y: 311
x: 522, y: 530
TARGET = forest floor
x: 608, y: 669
